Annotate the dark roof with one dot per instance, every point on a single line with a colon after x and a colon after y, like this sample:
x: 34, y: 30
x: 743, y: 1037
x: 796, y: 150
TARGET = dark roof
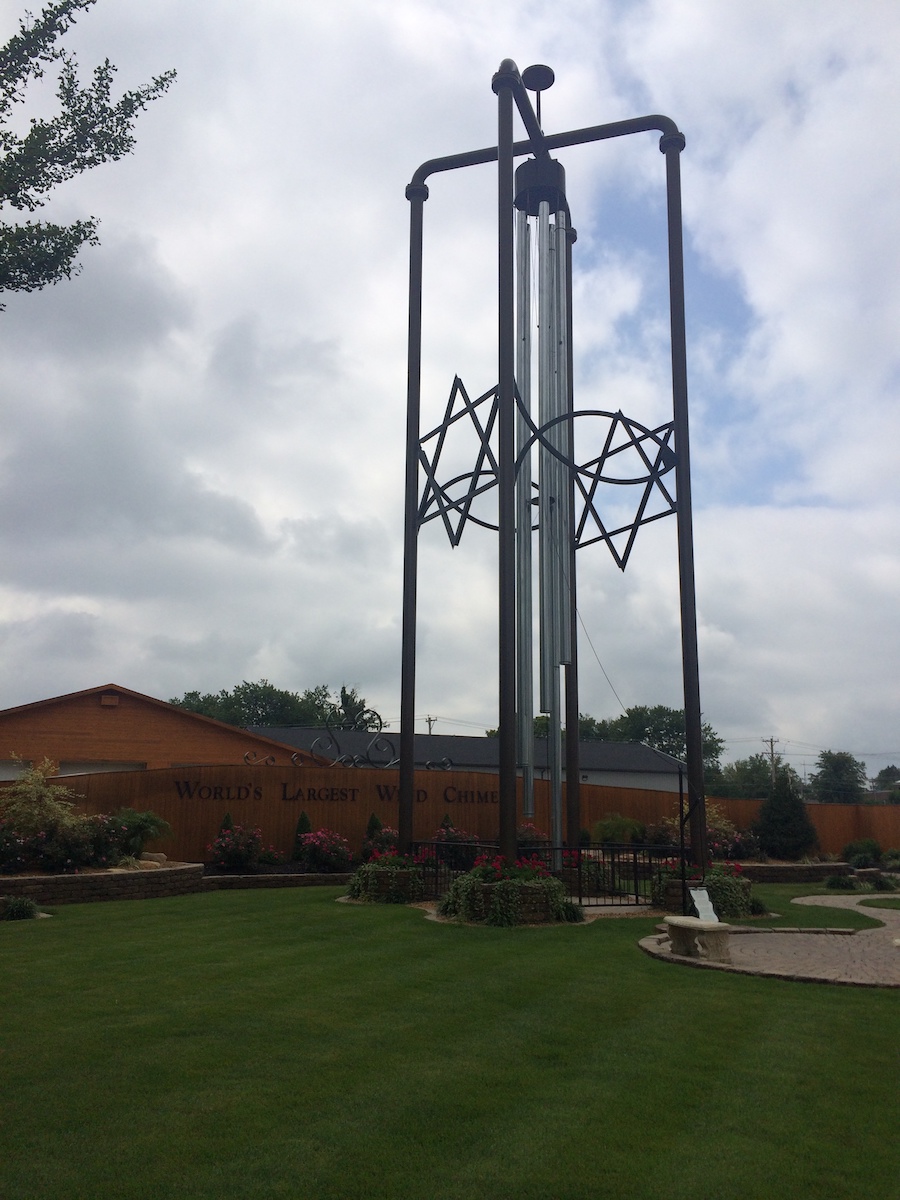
x: 469, y: 752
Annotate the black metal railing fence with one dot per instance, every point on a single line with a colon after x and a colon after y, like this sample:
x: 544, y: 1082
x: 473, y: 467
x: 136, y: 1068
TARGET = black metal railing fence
x: 598, y: 874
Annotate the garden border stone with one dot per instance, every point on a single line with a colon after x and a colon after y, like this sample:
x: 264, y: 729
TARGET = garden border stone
x: 172, y: 879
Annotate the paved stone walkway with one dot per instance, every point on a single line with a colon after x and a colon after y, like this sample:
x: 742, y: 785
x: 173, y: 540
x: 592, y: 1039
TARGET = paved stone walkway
x: 864, y: 957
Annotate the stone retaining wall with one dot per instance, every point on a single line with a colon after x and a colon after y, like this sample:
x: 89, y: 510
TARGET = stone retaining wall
x: 792, y: 872
x: 172, y: 880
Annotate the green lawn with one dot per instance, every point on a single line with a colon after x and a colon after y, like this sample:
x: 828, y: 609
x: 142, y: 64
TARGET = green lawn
x: 882, y: 902
x: 277, y: 1044
x: 777, y: 898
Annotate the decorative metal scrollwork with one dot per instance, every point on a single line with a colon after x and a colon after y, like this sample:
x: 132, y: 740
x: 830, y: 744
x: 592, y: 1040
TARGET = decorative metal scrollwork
x: 379, y: 753
x: 443, y: 764
x: 252, y: 759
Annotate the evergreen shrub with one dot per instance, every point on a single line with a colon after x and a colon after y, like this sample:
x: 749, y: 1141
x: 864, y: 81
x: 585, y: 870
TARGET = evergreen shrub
x: 783, y: 826
x: 304, y: 826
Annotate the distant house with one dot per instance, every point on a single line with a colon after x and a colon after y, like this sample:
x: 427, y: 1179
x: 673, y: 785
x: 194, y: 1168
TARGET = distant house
x: 609, y: 764
x: 111, y: 728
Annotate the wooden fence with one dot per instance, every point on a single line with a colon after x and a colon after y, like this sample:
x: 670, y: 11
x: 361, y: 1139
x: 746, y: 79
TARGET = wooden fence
x: 194, y: 801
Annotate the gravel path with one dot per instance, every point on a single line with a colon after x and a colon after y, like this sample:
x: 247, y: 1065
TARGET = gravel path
x: 864, y: 957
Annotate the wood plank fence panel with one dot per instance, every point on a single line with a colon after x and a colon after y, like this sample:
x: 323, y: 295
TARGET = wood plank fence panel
x: 194, y: 801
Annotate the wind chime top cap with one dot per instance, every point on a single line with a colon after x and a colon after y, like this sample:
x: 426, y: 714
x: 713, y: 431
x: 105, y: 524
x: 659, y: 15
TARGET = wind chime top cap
x: 538, y: 77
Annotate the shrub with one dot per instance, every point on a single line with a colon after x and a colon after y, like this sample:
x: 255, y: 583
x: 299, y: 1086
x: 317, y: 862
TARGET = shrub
x: 882, y: 883
x: 270, y: 857
x: 388, y: 879
x: 304, y: 826
x: 41, y: 831
x: 236, y: 848
x: 729, y: 891
x: 324, y: 850
x: 617, y: 830
x: 841, y: 883
x: 33, y: 805
x: 783, y: 827
x: 529, y: 837
x: 723, y: 839
x: 456, y: 847
x: 17, y: 908
x: 381, y: 840
x: 133, y: 830
x: 864, y: 853
x: 500, y: 903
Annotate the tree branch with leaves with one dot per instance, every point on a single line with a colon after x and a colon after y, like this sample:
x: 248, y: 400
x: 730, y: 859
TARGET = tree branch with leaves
x: 89, y: 129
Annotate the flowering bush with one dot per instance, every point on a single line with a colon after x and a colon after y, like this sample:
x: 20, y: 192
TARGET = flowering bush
x: 73, y: 843
x: 270, y: 856
x: 236, y: 848
x: 723, y: 839
x: 498, y: 892
x: 528, y: 837
x: 456, y: 847
x: 492, y: 868
x: 382, y: 841
x: 727, y: 886
x: 389, y: 878
x: 324, y: 850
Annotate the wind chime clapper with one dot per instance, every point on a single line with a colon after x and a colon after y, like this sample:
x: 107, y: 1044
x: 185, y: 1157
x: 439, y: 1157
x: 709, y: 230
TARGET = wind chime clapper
x: 537, y: 190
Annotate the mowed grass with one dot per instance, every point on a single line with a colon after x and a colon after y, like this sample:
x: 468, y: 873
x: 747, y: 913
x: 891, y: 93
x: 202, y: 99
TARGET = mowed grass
x: 278, y: 1044
x: 777, y: 898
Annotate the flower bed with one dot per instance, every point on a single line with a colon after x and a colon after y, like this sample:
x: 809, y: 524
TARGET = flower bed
x: 388, y: 879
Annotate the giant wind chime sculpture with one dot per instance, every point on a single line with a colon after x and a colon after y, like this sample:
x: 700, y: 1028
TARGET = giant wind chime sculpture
x: 512, y: 429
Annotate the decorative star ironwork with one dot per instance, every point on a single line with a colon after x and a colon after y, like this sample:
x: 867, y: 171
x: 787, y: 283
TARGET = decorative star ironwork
x: 452, y: 501
x: 632, y: 455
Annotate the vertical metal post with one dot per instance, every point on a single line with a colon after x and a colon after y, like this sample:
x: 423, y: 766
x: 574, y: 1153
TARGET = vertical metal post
x: 417, y: 194
x: 503, y: 83
x: 671, y: 145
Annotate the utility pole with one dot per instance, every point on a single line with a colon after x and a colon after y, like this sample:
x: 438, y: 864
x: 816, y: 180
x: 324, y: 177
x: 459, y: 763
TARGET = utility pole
x: 771, y: 742
x: 432, y: 721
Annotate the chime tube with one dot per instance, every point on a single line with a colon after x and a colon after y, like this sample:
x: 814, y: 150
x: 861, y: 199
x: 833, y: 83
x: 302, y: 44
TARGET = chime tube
x: 524, y: 636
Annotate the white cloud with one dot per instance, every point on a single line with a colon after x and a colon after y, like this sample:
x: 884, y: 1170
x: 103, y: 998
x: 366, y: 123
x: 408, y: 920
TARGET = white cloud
x: 202, y: 453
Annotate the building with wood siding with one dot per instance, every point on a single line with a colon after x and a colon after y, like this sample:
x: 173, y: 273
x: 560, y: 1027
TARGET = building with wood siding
x: 111, y: 728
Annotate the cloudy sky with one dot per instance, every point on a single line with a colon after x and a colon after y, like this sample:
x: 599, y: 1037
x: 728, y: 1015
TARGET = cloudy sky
x: 201, y: 449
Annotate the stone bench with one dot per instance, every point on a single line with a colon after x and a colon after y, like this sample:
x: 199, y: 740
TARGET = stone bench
x: 690, y: 936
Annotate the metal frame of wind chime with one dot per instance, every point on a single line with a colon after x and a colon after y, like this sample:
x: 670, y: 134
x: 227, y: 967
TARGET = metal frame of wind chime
x: 568, y: 514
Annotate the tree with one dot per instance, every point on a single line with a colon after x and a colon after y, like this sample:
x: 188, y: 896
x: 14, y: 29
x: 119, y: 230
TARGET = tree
x: 659, y: 727
x: 264, y: 704
x: 887, y: 779
x: 88, y: 130
x: 783, y: 826
x: 751, y: 777
x: 840, y: 779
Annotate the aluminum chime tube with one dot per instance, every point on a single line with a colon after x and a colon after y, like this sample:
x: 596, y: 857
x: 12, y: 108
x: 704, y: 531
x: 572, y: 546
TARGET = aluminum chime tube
x: 524, y: 637
x: 554, y: 523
